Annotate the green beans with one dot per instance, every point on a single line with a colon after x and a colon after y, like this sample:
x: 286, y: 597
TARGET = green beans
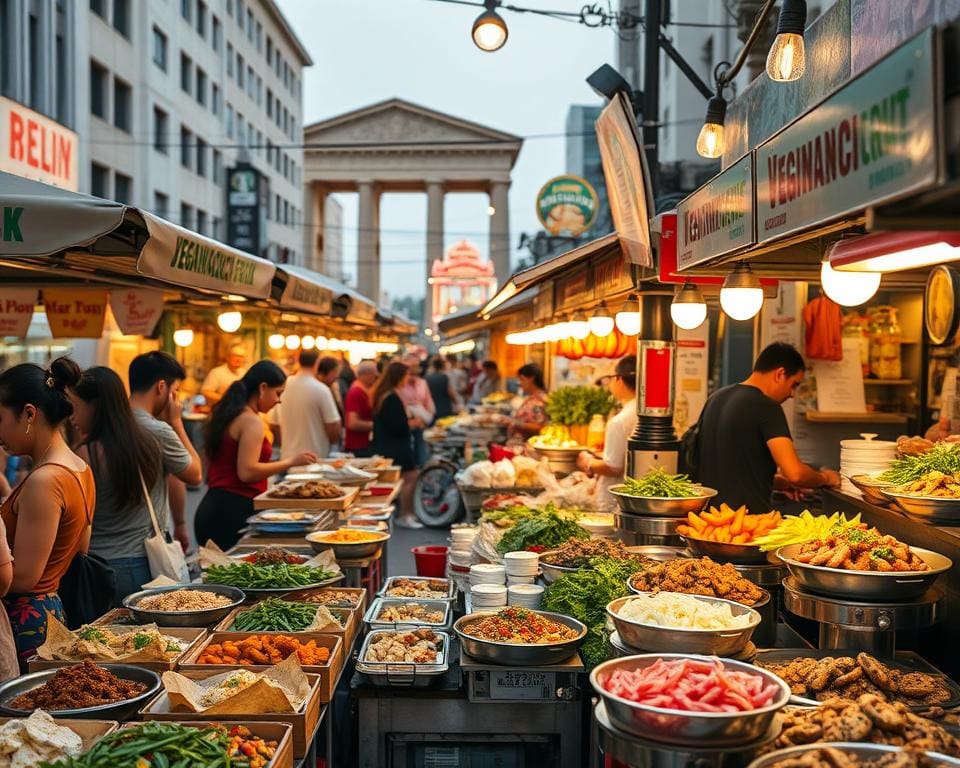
x: 660, y: 483
x: 275, y: 615
x: 164, y: 745
x: 250, y: 576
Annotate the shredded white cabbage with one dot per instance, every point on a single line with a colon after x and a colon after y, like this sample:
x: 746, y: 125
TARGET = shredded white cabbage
x: 678, y: 611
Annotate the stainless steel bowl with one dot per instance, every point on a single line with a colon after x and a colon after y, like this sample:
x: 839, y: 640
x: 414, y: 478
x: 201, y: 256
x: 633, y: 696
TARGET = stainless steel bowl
x: 185, y: 618
x: 871, y: 489
x: 866, y: 585
x: 930, y: 508
x: 712, y: 642
x: 346, y: 550
x: 120, y: 710
x: 520, y: 654
x: 722, y: 552
x: 662, y: 506
x: 764, y: 598
x: 860, y: 752
x: 561, y: 460
x: 553, y: 572
x: 675, y: 726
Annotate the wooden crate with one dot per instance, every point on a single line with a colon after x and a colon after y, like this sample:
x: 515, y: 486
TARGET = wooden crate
x: 328, y: 673
x: 348, y: 632
x: 91, y: 731
x: 280, y: 732
x: 190, y: 638
x: 303, y: 722
x: 266, y: 501
x: 117, y: 617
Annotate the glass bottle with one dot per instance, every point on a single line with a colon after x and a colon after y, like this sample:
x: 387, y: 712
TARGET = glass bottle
x: 595, y: 433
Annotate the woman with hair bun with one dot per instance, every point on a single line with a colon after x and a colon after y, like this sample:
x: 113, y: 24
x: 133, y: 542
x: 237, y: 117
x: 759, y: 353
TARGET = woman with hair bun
x: 48, y: 516
x: 239, y: 451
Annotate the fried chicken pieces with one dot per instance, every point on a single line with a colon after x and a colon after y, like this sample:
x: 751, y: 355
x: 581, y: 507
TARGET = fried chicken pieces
x: 861, y: 548
x: 830, y: 757
x: 848, y: 677
x: 698, y: 576
x: 421, y: 646
x: 868, y: 719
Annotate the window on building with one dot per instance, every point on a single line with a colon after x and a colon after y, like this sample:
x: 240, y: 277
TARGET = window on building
x: 286, y: 166
x: 186, y: 72
x: 229, y: 121
x: 259, y: 91
x: 161, y: 203
x: 186, y: 215
x: 216, y: 232
x: 249, y: 25
x: 161, y: 129
x: 286, y: 212
x: 159, y: 48
x: 217, y: 33
x: 269, y: 152
x: 98, y: 90
x: 241, y: 130
x: 269, y: 103
x: 251, y: 81
x: 201, y: 18
x: 201, y: 157
x: 201, y: 222
x: 186, y: 146
x: 201, y: 86
x: 122, y: 188
x: 269, y: 50
x: 240, y: 70
x: 259, y: 37
x: 99, y: 180
x: 122, y: 105
x: 35, y: 78
x: 240, y: 13
x: 279, y: 208
x: 186, y: 9
x: 99, y: 7
x: 63, y: 87
x: 229, y: 7
x: 217, y: 167
x: 229, y: 60
x: 121, y: 17
x: 215, y: 99
x: 276, y: 62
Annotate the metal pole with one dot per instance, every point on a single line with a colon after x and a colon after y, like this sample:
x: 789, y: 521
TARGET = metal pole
x: 651, y: 89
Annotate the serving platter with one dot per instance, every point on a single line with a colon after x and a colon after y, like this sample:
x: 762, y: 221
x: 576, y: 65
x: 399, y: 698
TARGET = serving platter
x: 519, y: 654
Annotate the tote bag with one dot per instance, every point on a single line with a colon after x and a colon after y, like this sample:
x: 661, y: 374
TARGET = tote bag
x: 166, y: 557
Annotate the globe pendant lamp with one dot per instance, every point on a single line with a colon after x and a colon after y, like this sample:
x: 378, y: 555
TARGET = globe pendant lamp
x: 848, y: 289
x: 601, y: 322
x: 741, y: 296
x: 628, y: 318
x: 578, y: 327
x: 183, y: 337
x: 275, y: 341
x: 229, y: 322
x: 490, y: 30
x: 689, y: 309
x: 786, y: 59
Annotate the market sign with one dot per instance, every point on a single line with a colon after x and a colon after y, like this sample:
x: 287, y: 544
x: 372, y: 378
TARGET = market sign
x: 75, y: 313
x: 567, y: 206
x: 248, y: 197
x: 136, y: 311
x: 16, y: 311
x: 874, y: 140
x: 306, y: 295
x: 36, y: 147
x: 718, y: 217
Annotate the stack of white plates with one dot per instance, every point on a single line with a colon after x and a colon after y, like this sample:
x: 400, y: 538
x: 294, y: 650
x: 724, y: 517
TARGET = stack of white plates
x: 864, y: 457
x: 487, y: 573
x: 460, y: 555
x: 525, y: 595
x: 486, y: 596
x: 521, y: 563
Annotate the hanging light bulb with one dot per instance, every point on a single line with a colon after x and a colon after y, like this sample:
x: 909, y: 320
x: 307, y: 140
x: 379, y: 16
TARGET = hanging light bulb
x: 741, y: 295
x: 688, y: 309
x: 579, y: 326
x: 292, y: 342
x: 322, y: 342
x: 308, y: 342
x: 557, y: 330
x: 489, y: 30
x: 848, y: 289
x: 711, y: 141
x: 229, y: 322
x: 628, y: 318
x: 601, y: 322
x: 275, y: 341
x: 786, y: 59
x: 183, y: 337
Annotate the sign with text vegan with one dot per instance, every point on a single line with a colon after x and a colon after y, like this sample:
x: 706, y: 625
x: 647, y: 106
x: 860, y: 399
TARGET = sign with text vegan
x: 874, y: 140
x: 717, y: 218
x: 567, y: 206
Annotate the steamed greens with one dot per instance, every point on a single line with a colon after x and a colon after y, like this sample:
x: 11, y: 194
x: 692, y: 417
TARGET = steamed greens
x: 659, y: 483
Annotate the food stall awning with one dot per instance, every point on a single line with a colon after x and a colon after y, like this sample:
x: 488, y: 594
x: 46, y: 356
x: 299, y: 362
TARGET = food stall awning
x: 346, y: 303
x: 47, y: 226
x: 465, y: 324
x: 540, y: 273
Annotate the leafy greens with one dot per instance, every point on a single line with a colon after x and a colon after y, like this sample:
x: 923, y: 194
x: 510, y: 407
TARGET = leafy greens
x: 545, y: 528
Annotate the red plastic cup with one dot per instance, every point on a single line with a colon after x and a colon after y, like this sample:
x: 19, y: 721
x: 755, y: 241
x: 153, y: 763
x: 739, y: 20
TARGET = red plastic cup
x: 431, y: 560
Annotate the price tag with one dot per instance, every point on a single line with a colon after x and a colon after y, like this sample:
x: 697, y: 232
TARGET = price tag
x: 517, y: 684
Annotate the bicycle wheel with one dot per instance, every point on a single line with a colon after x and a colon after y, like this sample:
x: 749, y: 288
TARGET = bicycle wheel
x: 436, y: 498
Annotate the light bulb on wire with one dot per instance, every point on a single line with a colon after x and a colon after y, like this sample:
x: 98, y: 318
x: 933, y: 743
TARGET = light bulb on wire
x: 490, y: 30
x: 579, y: 326
x: 848, y: 289
x: 741, y: 296
x: 275, y: 341
x: 787, y: 57
x: 601, y: 322
x: 229, y: 322
x: 628, y: 318
x: 183, y: 337
x: 712, y: 142
x: 688, y: 310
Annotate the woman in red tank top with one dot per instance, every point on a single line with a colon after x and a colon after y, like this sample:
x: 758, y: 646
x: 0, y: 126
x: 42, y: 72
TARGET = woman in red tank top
x: 239, y: 454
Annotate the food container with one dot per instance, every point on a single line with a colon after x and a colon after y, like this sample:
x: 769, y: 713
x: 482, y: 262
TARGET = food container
x: 282, y: 733
x: 866, y: 585
x: 319, y: 540
x: 562, y: 461
x: 722, y: 552
x: 872, y: 489
x: 659, y: 553
x: 488, y: 596
x: 662, y: 506
x: 520, y: 654
x: 120, y: 710
x: 715, y: 642
x: 403, y: 674
x: 521, y: 563
x: 451, y: 587
x: 358, y: 594
x: 676, y: 726
x: 487, y: 573
x: 203, y: 618
x: 933, y: 509
x: 257, y: 593
x: 266, y: 501
x: 370, y: 618
x: 512, y: 580
x: 860, y: 754
x: 430, y: 560
x: 270, y: 521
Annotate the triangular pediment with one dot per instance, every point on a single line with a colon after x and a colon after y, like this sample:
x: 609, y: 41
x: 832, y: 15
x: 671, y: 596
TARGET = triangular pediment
x: 399, y: 121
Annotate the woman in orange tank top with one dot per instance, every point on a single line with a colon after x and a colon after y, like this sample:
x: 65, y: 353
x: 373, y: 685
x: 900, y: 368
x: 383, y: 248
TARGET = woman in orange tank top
x: 48, y: 515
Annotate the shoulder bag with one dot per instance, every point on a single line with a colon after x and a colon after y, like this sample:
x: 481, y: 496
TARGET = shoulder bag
x: 166, y: 557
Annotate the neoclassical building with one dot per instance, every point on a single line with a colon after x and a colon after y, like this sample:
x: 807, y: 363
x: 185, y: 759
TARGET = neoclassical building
x: 462, y: 280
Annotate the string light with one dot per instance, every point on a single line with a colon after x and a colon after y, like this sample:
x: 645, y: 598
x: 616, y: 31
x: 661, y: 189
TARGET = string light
x: 688, y: 309
x: 183, y: 337
x: 628, y: 318
x: 787, y: 57
x: 711, y: 142
x: 601, y: 322
x: 229, y: 322
x: 490, y: 30
x: 741, y: 296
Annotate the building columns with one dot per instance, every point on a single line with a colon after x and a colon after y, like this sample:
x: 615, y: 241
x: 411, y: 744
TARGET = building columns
x: 368, y: 240
x: 500, y: 230
x: 435, y: 198
x: 314, y: 244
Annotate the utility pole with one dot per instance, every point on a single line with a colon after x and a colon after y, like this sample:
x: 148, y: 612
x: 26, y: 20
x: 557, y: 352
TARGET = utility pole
x: 651, y: 89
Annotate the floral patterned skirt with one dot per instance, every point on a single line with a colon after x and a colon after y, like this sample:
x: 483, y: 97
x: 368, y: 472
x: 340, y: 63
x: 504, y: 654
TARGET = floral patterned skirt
x: 28, y: 619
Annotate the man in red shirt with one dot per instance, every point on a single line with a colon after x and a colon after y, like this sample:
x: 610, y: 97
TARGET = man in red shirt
x: 358, y: 410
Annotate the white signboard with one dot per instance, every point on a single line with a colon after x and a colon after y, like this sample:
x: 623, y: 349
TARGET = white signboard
x: 718, y: 217
x: 36, y: 147
x: 874, y: 140
x: 840, y: 382
x: 691, y: 377
x: 305, y: 295
x: 135, y: 310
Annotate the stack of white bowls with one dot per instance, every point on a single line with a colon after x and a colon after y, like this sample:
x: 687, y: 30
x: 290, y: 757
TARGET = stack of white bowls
x: 864, y: 457
x: 460, y: 555
x: 525, y: 595
x: 522, y: 567
x: 487, y: 573
x: 485, y: 597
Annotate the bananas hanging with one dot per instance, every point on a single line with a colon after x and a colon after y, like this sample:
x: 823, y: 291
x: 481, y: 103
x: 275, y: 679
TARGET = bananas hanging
x: 796, y: 529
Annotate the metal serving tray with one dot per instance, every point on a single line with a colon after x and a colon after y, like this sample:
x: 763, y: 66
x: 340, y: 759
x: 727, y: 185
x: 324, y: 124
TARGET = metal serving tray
x: 404, y: 674
x: 388, y: 585
x: 370, y: 618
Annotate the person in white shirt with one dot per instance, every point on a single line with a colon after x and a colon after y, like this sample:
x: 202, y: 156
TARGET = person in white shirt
x: 623, y: 386
x: 221, y: 377
x: 308, y: 416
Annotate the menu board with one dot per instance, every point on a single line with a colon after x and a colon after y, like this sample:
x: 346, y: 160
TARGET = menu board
x: 840, y: 382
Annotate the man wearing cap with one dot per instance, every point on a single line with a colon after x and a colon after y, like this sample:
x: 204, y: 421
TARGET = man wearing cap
x: 221, y: 377
x: 623, y: 386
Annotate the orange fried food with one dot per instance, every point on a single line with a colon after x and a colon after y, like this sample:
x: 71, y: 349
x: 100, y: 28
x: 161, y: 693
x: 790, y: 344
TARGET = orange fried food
x: 728, y: 525
x: 264, y: 650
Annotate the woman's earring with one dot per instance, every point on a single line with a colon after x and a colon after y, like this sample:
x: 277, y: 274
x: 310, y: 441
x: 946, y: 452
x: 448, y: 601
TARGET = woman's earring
x: 28, y: 428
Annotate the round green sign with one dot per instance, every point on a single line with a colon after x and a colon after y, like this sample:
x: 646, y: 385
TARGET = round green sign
x: 567, y: 205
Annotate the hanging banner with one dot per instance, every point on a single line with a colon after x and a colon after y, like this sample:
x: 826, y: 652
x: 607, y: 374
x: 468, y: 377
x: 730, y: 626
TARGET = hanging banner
x: 16, y: 311
x: 876, y: 139
x: 567, y: 206
x: 36, y: 147
x: 75, y: 313
x: 136, y: 311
